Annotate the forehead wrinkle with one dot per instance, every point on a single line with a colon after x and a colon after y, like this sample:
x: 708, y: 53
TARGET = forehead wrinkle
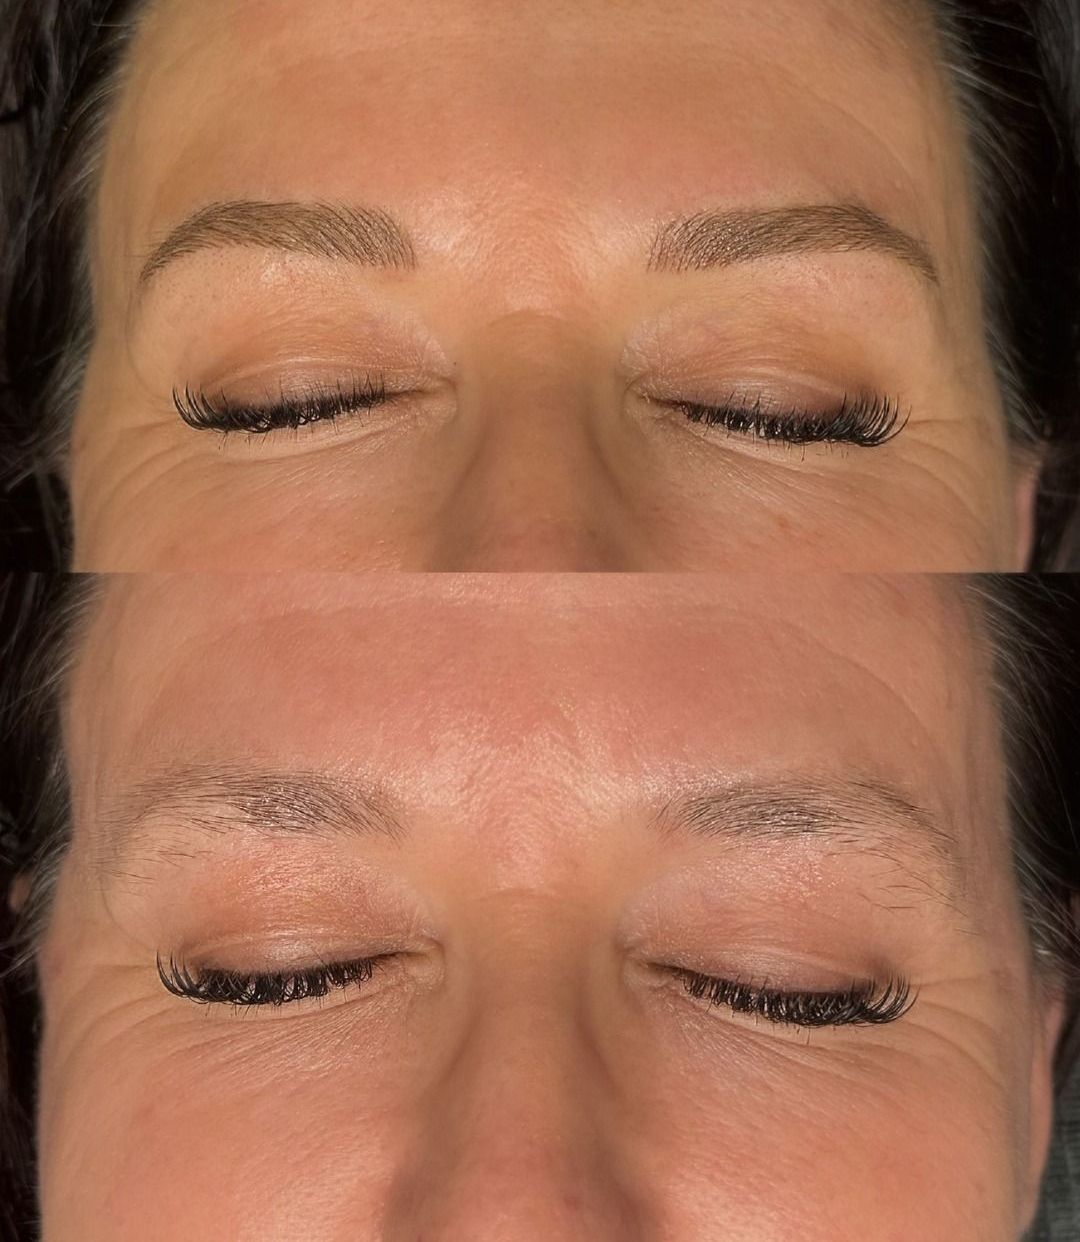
x: 215, y: 800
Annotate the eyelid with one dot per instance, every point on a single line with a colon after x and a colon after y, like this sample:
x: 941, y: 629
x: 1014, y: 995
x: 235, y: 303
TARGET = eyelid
x: 303, y: 406
x: 862, y: 1003
x: 862, y: 420
x: 240, y: 989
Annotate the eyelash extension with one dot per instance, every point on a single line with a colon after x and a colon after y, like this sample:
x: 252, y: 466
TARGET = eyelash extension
x: 228, y: 987
x: 863, y: 1004
x: 201, y: 412
x: 864, y: 421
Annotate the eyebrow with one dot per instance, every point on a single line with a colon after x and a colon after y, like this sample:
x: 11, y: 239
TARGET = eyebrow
x: 866, y: 816
x: 366, y: 236
x: 371, y: 237
x: 719, y: 239
x: 215, y: 801
x: 861, y: 815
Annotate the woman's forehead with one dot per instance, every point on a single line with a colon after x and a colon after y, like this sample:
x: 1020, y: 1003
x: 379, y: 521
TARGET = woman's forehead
x: 450, y: 686
x: 472, y: 119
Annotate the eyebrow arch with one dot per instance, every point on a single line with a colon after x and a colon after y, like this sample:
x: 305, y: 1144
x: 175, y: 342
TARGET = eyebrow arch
x: 863, y: 815
x: 219, y: 800
x: 372, y: 237
x: 368, y: 236
x: 718, y: 239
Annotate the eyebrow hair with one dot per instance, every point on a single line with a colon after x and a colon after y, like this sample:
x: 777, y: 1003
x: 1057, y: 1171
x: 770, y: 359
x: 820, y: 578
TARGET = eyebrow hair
x: 368, y: 236
x: 371, y: 237
x: 867, y: 816
x: 218, y: 800
x: 718, y: 239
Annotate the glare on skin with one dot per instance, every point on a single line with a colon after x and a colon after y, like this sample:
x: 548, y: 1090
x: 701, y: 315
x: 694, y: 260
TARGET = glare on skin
x: 532, y: 153
x: 524, y: 1074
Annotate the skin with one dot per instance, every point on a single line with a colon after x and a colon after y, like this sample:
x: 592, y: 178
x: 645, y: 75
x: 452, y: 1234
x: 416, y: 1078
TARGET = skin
x: 527, y: 1067
x: 532, y: 155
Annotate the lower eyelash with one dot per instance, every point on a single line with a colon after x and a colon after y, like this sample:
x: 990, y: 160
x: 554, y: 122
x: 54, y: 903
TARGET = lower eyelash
x: 227, y: 987
x: 863, y: 1004
x: 202, y: 412
x: 865, y: 421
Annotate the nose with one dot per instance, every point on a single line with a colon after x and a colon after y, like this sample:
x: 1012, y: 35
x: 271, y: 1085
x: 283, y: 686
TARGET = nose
x: 536, y: 491
x: 514, y: 1146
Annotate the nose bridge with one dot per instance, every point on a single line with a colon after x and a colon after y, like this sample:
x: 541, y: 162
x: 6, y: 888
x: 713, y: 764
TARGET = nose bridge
x: 536, y: 491
x: 514, y: 1146
x: 541, y: 354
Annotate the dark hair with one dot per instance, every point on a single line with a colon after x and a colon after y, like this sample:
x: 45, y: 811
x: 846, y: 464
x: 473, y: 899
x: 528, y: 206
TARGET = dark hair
x: 60, y: 64
x: 1033, y: 626
x: 31, y: 608
x: 1012, y: 63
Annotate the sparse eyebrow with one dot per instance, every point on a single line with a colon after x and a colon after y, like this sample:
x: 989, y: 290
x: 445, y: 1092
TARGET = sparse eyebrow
x: 218, y: 800
x: 862, y: 815
x: 718, y: 239
x: 368, y: 236
x: 865, y: 816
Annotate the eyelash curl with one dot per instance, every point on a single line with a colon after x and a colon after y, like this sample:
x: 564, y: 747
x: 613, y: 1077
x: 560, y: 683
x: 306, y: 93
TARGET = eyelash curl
x: 863, y: 1004
x: 202, y: 412
x: 228, y: 987
x: 865, y: 421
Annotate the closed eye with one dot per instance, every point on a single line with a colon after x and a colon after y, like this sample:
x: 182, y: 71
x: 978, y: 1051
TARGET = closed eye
x: 864, y: 421
x: 246, y: 990
x: 862, y: 1004
x: 203, y: 411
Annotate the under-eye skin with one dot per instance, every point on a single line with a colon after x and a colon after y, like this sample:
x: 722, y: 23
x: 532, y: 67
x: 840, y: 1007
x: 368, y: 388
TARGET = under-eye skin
x: 244, y: 990
x: 202, y: 411
x: 862, y: 1004
x: 864, y: 420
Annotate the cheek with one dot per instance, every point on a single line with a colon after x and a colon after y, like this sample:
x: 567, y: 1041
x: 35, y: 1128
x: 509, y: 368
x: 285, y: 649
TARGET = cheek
x: 813, y: 513
x: 208, y: 1128
x: 138, y: 510
x: 208, y: 1143
x: 142, y: 511
x: 796, y: 1146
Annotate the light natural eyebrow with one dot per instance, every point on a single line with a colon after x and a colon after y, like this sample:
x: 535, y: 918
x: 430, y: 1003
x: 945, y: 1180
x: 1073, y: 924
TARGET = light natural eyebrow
x: 718, y: 239
x: 217, y: 801
x: 367, y: 236
x: 863, y: 815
